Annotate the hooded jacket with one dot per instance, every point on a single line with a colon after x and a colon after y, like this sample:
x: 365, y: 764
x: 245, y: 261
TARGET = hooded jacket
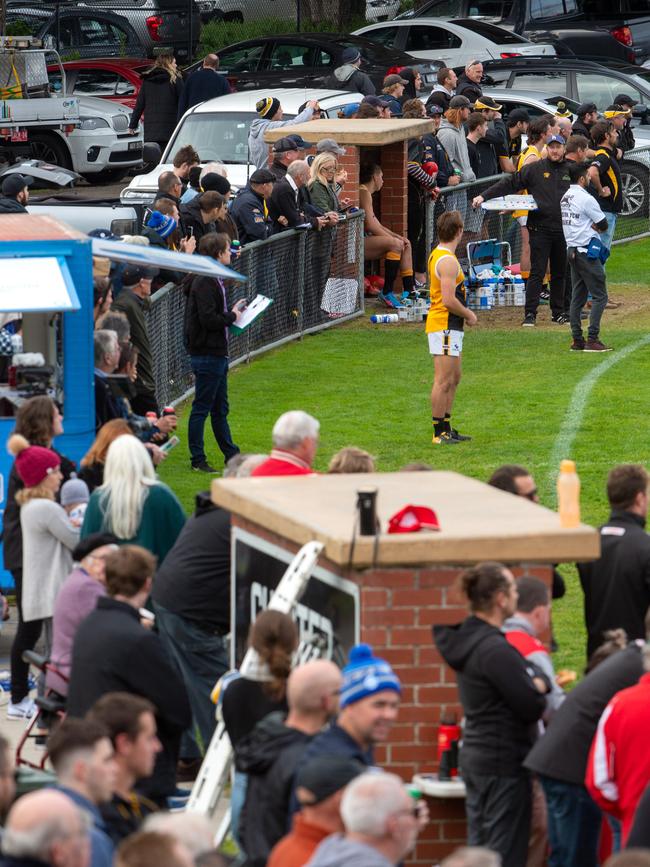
x: 337, y: 850
x: 258, y: 149
x: 349, y: 77
x: 11, y: 206
x: 268, y: 755
x: 440, y: 96
x: 192, y: 219
x: 158, y: 96
x: 500, y: 701
x: 454, y: 141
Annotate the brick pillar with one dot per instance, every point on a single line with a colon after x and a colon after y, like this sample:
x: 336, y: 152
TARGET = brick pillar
x: 393, y: 194
x: 399, y: 605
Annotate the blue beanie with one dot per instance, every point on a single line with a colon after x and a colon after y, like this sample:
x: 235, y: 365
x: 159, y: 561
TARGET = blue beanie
x: 366, y: 675
x: 162, y: 224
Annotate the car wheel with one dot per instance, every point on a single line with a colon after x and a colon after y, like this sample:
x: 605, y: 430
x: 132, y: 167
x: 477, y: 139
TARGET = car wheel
x: 635, y: 190
x: 47, y: 147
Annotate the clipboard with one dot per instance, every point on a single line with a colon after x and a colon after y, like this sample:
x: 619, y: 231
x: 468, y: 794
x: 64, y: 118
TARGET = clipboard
x: 254, y: 310
x: 511, y: 203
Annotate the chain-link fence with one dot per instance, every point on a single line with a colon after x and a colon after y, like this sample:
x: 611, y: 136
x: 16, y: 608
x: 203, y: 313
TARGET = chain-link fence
x: 315, y: 280
x: 633, y: 222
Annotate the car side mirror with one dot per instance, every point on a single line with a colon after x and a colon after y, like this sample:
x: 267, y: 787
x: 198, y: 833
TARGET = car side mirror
x: 123, y: 88
x: 639, y: 110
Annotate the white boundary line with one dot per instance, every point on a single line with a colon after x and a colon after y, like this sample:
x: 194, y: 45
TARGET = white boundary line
x: 577, y: 405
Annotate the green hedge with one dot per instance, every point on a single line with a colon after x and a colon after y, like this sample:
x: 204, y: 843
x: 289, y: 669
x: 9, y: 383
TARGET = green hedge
x: 219, y: 34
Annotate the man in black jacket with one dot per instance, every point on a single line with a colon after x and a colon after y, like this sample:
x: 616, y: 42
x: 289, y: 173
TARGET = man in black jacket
x: 114, y: 652
x: 559, y: 758
x: 587, y: 117
x: 284, y: 204
x: 348, y: 76
x: 107, y: 356
x: 249, y: 210
x: 199, y: 214
x: 203, y: 84
x: 502, y: 697
x: 191, y: 596
x: 271, y: 752
x: 206, y: 339
x: 616, y: 587
x: 469, y: 83
x: 547, y: 181
x: 15, y: 194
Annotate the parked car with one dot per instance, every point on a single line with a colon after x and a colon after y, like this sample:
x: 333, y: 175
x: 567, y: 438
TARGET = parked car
x: 160, y: 24
x: 308, y: 59
x: 116, y: 79
x: 617, y: 29
x: 455, y: 42
x: 580, y: 80
x: 249, y: 10
x: 635, y: 174
x: 76, y: 30
x: 218, y: 129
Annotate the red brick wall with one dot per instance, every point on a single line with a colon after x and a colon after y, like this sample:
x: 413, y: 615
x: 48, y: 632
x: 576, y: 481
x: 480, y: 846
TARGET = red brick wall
x: 393, y: 194
x: 398, y: 608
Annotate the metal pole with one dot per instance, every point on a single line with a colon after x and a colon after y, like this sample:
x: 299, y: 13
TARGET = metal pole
x: 57, y: 28
x: 190, y: 6
x: 298, y: 15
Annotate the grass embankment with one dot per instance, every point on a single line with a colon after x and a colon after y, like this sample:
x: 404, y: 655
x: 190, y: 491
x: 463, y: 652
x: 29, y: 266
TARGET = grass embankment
x: 369, y: 386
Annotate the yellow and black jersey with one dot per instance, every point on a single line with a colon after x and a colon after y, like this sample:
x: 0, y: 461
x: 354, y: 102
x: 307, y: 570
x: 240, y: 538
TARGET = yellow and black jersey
x: 521, y: 160
x: 439, y: 318
x: 610, y: 176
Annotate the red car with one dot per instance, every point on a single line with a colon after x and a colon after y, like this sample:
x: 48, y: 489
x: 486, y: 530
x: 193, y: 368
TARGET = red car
x: 117, y: 79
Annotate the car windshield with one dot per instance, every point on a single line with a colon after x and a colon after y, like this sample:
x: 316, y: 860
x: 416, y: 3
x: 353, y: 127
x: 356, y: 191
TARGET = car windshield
x: 216, y: 136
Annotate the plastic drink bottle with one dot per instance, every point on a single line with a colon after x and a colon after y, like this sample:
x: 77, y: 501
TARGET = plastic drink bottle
x: 384, y: 317
x: 568, y: 495
x: 449, y: 733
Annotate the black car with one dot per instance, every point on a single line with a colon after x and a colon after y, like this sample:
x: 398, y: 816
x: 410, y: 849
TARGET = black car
x: 580, y: 80
x: 308, y: 59
x: 75, y: 31
x: 596, y: 29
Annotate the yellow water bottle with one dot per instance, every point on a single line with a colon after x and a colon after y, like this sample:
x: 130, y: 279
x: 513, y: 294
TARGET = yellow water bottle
x: 568, y: 495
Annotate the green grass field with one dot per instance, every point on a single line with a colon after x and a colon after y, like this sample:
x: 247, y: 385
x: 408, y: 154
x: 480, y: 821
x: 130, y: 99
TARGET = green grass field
x: 369, y: 386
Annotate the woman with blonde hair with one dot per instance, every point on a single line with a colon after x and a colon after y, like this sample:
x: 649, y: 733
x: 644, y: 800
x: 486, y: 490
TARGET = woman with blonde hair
x: 393, y: 89
x: 351, y: 460
x: 132, y: 503
x: 322, y: 190
x: 92, y: 463
x: 48, y: 539
x: 158, y: 99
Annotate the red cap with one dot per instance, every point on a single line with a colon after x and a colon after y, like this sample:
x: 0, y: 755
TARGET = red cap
x: 33, y: 463
x: 412, y: 519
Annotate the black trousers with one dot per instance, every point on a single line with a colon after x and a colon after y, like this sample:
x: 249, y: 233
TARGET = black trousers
x: 27, y: 635
x: 545, y: 247
x: 498, y: 815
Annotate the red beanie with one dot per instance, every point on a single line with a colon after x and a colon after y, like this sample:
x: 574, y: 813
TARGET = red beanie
x: 33, y: 463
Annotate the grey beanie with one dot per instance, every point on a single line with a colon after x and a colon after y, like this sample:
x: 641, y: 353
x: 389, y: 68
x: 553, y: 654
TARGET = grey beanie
x: 74, y: 491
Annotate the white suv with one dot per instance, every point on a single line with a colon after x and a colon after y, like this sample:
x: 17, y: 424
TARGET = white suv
x: 218, y: 129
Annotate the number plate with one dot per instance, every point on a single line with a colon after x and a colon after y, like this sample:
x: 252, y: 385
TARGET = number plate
x: 19, y: 135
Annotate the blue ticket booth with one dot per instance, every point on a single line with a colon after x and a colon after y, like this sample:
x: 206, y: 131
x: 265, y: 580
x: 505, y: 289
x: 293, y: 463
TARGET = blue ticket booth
x: 47, y: 278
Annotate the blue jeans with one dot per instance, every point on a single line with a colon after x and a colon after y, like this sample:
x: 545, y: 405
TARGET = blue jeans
x: 202, y: 659
x: 573, y: 824
x: 237, y: 801
x: 210, y: 398
x: 607, y: 236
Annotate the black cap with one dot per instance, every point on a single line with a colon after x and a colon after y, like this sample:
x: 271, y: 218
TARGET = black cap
x: 376, y: 101
x: 283, y: 145
x: 14, y: 184
x: 300, y: 143
x: 625, y: 99
x: 132, y: 274
x: 433, y: 109
x: 322, y: 777
x: 459, y: 102
x: 91, y: 543
x: 586, y: 108
x: 262, y: 176
x: 214, y: 182
x: 518, y: 114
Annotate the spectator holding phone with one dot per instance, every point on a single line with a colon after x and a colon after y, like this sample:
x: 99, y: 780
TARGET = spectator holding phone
x: 198, y: 216
x: 206, y: 339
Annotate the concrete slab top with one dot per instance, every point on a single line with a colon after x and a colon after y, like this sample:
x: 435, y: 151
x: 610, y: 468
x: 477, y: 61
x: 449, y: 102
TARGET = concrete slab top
x: 32, y: 227
x: 477, y: 522
x: 354, y: 132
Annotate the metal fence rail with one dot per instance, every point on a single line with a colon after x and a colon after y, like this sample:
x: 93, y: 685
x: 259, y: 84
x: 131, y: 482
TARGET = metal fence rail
x: 632, y: 223
x: 314, y: 278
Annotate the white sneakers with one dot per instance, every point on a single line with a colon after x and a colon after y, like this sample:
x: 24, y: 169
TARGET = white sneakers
x: 25, y: 709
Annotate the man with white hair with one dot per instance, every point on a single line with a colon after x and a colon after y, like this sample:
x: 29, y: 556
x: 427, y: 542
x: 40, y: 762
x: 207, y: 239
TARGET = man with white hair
x: 107, y: 357
x: 469, y: 83
x: 45, y: 827
x: 381, y: 820
x: 295, y: 441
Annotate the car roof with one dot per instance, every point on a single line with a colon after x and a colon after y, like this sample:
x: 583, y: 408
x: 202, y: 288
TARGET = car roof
x: 567, y: 62
x: 105, y: 62
x: 291, y: 98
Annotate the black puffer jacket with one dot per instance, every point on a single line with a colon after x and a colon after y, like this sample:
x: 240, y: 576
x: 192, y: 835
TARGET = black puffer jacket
x: 499, y: 698
x: 206, y: 317
x: 158, y: 99
x: 269, y: 755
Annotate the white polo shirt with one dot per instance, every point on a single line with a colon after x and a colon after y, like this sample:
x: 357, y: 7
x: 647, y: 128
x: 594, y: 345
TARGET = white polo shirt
x: 579, y: 212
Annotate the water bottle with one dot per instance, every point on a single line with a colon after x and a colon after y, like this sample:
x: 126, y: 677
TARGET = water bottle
x: 520, y: 291
x: 235, y: 248
x: 568, y: 495
x: 384, y: 317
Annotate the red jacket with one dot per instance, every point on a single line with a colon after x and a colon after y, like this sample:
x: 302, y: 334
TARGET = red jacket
x: 282, y: 463
x: 618, y: 769
x: 296, y: 849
